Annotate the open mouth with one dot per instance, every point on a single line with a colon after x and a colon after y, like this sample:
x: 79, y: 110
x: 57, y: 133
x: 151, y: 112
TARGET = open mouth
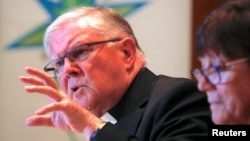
x: 74, y: 89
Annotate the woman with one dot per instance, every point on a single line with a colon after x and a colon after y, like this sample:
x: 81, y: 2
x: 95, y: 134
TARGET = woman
x: 223, y: 48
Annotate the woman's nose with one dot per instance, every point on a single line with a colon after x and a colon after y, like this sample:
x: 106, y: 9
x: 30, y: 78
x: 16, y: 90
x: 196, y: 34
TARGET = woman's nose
x: 204, y: 84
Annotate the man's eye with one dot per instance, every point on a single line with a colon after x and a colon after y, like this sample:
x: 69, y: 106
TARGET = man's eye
x: 79, y: 53
x: 59, y: 63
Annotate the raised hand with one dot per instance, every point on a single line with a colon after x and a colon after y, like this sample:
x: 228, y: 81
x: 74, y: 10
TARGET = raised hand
x: 64, y: 113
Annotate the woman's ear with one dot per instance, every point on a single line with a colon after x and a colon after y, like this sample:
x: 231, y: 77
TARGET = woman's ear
x: 129, y: 50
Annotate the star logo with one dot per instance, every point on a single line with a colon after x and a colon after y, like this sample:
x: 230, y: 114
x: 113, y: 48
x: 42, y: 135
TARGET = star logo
x: 34, y: 38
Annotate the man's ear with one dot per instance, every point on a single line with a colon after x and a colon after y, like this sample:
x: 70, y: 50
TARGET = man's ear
x: 129, y: 50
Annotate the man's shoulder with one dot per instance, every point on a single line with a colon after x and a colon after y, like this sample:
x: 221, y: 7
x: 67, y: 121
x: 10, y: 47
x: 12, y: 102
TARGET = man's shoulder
x: 166, y: 83
x: 173, y: 89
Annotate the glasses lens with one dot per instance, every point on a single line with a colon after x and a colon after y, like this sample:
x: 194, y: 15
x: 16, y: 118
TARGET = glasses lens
x: 79, y: 54
x: 197, y: 74
x: 54, y: 66
x: 57, y: 64
x: 213, y: 75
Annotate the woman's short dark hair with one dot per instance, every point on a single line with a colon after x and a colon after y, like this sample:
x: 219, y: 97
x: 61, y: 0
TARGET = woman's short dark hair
x: 226, y: 31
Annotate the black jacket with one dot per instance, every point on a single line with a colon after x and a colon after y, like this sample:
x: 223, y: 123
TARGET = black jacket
x: 159, y: 108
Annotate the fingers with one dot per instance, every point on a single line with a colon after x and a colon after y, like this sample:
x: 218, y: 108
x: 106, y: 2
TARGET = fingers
x: 31, y: 80
x: 46, y: 90
x: 66, y: 106
x: 45, y: 78
x: 39, y: 120
x: 61, y: 105
x: 66, y: 115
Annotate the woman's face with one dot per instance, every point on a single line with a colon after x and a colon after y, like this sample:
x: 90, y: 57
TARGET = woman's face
x: 229, y: 99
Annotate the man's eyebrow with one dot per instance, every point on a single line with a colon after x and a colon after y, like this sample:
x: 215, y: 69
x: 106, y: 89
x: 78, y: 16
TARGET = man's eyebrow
x: 78, y: 44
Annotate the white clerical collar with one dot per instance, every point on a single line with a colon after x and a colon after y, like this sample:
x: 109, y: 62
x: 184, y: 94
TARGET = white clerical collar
x: 109, y: 118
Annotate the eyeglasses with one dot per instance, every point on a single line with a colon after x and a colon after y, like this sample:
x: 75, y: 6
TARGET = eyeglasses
x: 214, y: 74
x: 79, y: 53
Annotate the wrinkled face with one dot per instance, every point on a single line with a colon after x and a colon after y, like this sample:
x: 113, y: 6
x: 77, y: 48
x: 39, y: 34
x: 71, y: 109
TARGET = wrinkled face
x: 229, y: 100
x: 100, y: 80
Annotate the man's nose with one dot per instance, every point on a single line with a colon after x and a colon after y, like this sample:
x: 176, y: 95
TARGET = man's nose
x: 69, y: 67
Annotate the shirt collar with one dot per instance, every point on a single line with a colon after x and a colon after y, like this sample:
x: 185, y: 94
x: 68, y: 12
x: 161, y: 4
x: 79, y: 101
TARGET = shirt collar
x: 109, y: 118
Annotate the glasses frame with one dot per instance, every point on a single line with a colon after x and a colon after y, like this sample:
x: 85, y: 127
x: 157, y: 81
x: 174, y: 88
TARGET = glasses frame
x: 89, y: 44
x: 198, y: 74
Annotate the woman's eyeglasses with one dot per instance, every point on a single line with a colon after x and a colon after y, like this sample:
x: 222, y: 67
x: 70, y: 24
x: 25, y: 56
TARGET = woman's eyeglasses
x: 213, y: 74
